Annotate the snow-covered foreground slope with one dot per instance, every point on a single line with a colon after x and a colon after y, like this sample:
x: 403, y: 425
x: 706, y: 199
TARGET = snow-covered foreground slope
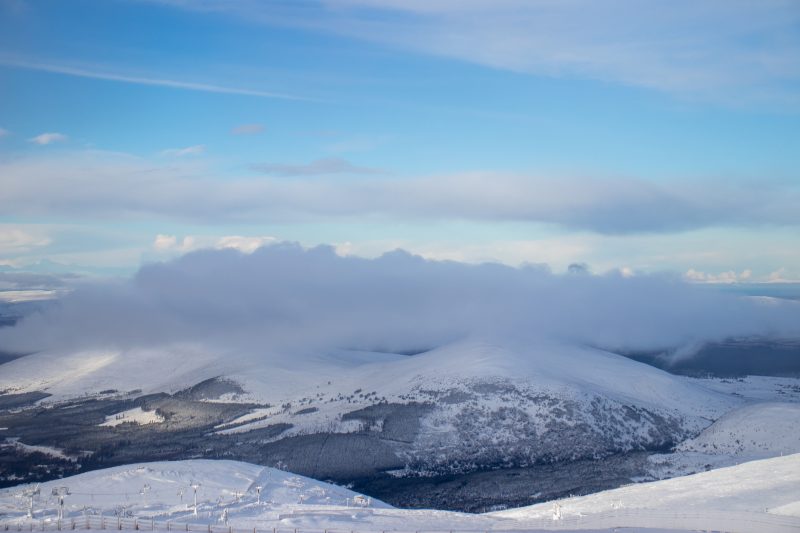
x: 165, y: 490
x: 765, y: 492
x: 767, y: 485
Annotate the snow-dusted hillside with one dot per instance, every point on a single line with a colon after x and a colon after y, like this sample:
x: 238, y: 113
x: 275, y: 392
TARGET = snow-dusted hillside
x: 765, y: 493
x: 460, y: 407
x: 763, y: 429
x: 754, y: 431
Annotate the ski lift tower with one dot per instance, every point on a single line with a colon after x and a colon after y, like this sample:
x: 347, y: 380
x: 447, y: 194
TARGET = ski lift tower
x: 195, y: 485
x: 258, y: 492
x: 143, y: 492
x: 60, y: 493
x: 30, y: 493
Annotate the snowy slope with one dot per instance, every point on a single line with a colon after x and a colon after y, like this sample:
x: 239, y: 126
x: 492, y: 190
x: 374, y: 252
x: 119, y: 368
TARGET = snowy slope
x: 66, y: 374
x: 763, y: 429
x: 227, y: 491
x: 755, y: 431
x: 164, y: 490
x: 768, y: 484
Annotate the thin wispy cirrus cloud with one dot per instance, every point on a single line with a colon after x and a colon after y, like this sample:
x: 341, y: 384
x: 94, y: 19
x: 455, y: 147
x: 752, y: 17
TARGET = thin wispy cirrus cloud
x: 97, y: 73
x: 4, y: 133
x: 197, y: 149
x: 85, y: 185
x: 318, y: 167
x: 44, y: 139
x: 737, y: 51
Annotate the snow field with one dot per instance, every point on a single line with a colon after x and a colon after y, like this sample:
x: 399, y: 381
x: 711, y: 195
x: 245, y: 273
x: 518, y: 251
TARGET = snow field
x: 761, y: 494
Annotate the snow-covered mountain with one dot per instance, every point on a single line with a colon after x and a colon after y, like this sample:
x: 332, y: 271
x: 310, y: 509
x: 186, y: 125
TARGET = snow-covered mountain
x: 461, y: 407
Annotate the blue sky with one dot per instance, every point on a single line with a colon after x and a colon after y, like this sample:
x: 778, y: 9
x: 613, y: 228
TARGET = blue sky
x: 666, y: 140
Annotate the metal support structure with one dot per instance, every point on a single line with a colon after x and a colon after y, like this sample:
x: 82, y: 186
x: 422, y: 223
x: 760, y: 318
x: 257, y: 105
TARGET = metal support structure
x: 195, y: 486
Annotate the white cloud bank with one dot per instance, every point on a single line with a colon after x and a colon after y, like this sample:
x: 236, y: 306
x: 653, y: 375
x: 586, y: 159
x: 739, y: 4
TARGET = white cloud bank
x: 283, y: 296
x: 90, y: 186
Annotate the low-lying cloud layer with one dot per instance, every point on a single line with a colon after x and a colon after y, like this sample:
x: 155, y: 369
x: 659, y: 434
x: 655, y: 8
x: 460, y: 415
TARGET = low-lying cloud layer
x: 286, y: 297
